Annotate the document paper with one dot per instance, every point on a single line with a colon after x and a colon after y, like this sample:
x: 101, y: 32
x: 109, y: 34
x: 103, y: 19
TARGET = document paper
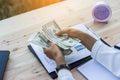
x: 93, y: 70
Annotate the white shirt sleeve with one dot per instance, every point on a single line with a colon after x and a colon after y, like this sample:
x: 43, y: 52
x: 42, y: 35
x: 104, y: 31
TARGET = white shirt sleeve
x: 65, y: 74
x: 109, y: 57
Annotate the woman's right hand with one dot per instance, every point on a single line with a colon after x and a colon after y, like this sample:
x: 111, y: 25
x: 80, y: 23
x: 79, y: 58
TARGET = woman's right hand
x: 85, y: 38
x: 71, y: 32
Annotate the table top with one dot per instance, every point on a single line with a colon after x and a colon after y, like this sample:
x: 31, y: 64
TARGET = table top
x: 15, y: 31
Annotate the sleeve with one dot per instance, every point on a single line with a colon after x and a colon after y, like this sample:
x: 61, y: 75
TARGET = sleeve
x: 109, y: 57
x: 65, y: 74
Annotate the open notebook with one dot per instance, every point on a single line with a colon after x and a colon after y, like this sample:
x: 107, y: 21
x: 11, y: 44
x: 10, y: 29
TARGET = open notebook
x: 92, y: 70
x: 79, y: 55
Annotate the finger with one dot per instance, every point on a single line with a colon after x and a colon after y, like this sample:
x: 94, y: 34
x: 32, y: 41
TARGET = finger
x: 65, y: 31
x: 45, y: 50
x: 52, y: 45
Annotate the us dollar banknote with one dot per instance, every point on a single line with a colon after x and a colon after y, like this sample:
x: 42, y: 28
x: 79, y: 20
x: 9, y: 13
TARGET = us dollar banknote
x: 47, y: 34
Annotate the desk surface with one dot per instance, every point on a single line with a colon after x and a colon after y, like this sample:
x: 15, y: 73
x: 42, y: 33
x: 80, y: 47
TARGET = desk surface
x: 15, y: 32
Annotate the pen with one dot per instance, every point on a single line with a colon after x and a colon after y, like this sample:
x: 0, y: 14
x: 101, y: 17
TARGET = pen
x: 117, y: 47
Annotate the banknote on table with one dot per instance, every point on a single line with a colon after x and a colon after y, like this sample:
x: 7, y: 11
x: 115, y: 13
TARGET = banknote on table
x: 48, y: 34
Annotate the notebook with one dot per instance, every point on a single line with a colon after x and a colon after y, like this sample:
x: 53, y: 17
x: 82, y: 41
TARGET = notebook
x: 92, y: 70
x: 4, y: 55
x: 79, y: 55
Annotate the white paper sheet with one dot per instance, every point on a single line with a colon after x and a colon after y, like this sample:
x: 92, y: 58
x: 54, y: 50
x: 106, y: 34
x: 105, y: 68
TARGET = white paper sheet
x: 118, y: 44
x: 92, y: 70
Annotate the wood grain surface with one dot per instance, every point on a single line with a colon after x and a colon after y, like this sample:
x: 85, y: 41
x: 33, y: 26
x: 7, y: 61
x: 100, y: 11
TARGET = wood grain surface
x: 16, y: 30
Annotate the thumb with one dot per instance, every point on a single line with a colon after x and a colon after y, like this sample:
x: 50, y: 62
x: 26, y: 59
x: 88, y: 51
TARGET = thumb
x: 51, y: 45
x: 65, y: 31
x: 45, y: 50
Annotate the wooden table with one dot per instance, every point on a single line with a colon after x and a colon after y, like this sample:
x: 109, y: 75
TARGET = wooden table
x: 15, y: 31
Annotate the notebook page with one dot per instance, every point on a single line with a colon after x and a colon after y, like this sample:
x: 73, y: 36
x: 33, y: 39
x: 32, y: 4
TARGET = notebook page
x: 92, y: 70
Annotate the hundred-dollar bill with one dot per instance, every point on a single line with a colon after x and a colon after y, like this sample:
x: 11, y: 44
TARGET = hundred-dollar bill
x: 48, y: 34
x: 39, y: 40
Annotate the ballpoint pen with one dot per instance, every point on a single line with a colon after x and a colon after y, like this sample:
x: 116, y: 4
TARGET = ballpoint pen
x: 117, y: 47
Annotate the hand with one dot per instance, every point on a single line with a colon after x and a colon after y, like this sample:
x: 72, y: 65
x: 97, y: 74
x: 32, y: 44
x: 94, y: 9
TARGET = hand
x: 54, y: 53
x: 85, y: 38
x: 71, y: 32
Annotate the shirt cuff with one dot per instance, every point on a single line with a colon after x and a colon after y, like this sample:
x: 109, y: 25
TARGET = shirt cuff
x: 95, y: 48
x: 65, y: 74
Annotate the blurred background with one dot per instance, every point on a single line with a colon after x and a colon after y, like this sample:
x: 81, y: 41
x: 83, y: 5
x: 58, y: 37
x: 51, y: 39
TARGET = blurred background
x: 9, y: 8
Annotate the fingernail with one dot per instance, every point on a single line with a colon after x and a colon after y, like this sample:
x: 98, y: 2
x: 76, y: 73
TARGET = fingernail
x: 57, y: 34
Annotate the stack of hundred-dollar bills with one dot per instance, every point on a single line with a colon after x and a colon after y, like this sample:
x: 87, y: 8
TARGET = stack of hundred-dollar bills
x: 47, y: 34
